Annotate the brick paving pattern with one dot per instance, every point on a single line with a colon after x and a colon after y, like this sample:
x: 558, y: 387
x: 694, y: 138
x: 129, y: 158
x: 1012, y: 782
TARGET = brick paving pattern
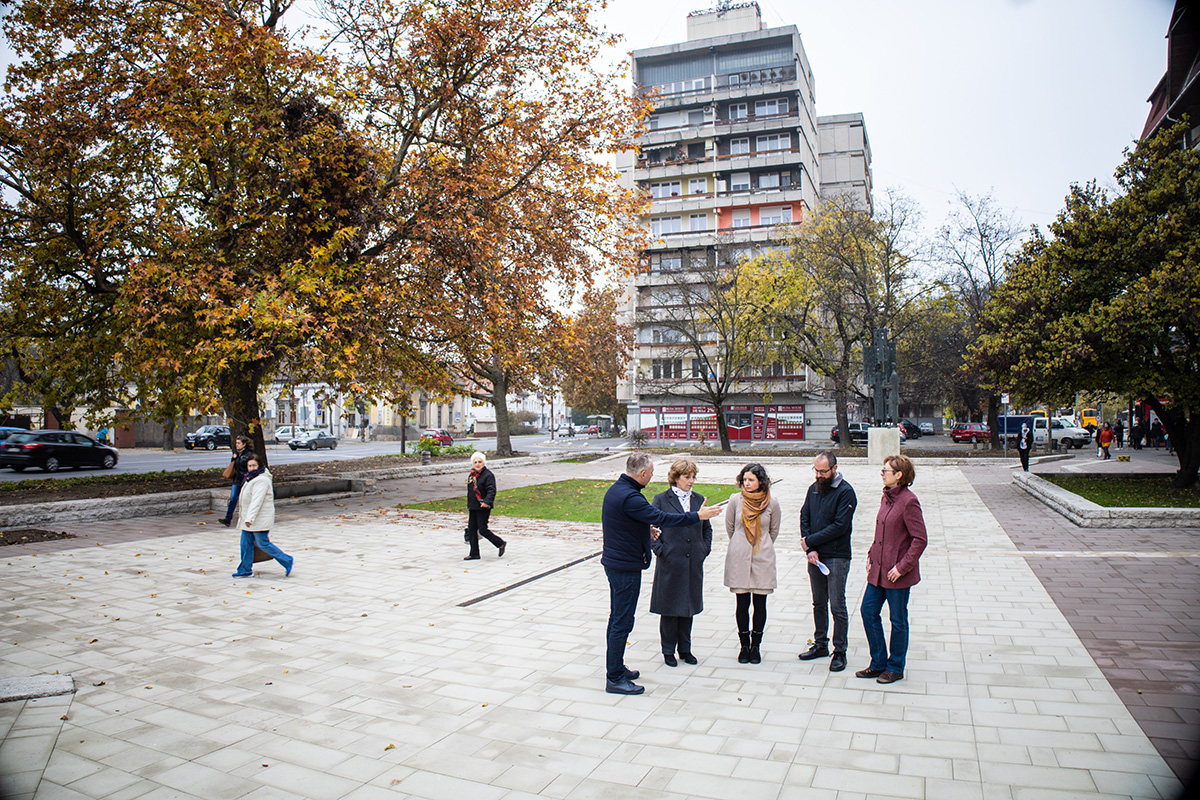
x: 1132, y: 597
x: 361, y: 677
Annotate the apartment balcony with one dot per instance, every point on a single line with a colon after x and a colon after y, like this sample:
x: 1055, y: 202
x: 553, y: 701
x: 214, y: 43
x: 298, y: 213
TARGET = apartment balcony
x: 755, y: 197
x: 661, y: 137
x: 682, y: 166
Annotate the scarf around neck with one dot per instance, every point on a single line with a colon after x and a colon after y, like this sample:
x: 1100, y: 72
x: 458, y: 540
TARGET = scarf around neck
x: 473, y: 482
x: 753, y: 505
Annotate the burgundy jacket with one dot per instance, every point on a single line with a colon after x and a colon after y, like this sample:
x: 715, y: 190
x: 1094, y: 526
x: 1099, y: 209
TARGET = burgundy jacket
x: 899, y: 539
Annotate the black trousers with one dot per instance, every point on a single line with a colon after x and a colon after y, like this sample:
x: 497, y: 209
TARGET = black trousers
x: 477, y: 525
x: 675, y: 632
x: 1024, y: 459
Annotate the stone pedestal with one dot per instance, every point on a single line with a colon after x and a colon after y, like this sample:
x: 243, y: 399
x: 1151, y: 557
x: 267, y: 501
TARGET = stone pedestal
x: 881, y: 443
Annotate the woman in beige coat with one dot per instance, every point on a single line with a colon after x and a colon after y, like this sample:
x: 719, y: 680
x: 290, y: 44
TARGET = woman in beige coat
x: 752, y: 522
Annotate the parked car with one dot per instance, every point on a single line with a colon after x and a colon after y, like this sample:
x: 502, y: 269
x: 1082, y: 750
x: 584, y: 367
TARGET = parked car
x: 970, y: 432
x: 926, y: 428
x: 439, y: 435
x: 565, y: 430
x: 858, y: 434
x: 54, y: 450
x: 910, y: 428
x: 209, y: 437
x: 593, y: 430
x: 313, y: 440
x: 285, y: 433
x: 6, y: 431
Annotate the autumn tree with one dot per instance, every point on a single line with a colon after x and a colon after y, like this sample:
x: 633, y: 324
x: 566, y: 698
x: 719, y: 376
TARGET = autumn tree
x: 973, y: 247
x: 227, y: 205
x: 697, y: 318
x: 1111, y: 302
x: 843, y: 273
x: 596, y: 354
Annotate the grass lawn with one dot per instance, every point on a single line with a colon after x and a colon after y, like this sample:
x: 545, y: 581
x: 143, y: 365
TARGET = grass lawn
x: 576, y: 500
x: 1149, y: 491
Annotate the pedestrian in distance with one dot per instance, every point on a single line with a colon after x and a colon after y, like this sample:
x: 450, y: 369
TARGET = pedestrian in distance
x: 679, y: 553
x: 1119, y: 431
x: 1025, y: 446
x: 241, y: 456
x: 752, y: 523
x: 1105, y: 436
x: 826, y: 519
x: 257, y: 518
x: 481, y: 499
x: 1156, y: 434
x: 892, y: 570
x: 628, y: 521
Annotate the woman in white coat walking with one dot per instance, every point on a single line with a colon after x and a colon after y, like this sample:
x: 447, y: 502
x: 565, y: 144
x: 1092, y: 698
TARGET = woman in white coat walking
x: 257, y: 516
x: 752, y: 522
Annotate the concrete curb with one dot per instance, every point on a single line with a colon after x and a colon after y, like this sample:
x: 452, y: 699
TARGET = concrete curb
x: 36, y: 686
x: 1087, y: 514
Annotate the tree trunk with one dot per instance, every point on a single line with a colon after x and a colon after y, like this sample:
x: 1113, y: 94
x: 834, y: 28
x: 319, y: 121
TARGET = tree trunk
x: 168, y: 440
x: 723, y: 428
x: 61, y: 415
x: 239, y: 392
x: 1183, y: 432
x: 500, y: 403
x: 993, y: 419
x: 403, y: 433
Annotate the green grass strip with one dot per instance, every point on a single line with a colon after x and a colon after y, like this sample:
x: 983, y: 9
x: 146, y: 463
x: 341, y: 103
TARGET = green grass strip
x: 577, y: 500
x: 1129, y: 491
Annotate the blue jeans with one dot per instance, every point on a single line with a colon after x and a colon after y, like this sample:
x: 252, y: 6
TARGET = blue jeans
x: 829, y: 595
x: 623, y: 589
x: 234, y: 491
x: 260, y: 538
x: 872, y: 605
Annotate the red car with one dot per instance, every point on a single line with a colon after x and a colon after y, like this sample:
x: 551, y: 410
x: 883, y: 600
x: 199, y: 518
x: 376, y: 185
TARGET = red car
x: 970, y: 432
x: 438, y: 435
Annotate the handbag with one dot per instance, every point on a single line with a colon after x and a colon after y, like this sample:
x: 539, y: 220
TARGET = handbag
x: 228, y: 471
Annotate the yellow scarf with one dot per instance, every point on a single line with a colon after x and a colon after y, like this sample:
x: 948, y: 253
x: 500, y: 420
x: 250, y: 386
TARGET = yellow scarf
x: 753, y: 505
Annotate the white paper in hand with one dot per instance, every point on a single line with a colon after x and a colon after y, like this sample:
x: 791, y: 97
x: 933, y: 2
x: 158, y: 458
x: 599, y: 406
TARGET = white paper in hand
x: 824, y: 569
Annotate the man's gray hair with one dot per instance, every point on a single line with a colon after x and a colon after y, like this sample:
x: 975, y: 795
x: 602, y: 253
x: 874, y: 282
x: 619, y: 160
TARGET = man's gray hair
x: 638, y: 462
x: 829, y: 457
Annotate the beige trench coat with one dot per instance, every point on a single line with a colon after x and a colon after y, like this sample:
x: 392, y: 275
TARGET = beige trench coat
x: 746, y: 570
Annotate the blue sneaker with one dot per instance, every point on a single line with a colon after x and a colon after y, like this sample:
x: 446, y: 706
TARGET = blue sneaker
x: 243, y: 575
x: 288, y: 570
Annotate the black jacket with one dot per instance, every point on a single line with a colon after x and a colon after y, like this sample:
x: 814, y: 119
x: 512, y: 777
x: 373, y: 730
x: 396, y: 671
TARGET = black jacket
x: 239, y: 465
x: 826, y: 519
x: 486, y: 483
x: 626, y: 519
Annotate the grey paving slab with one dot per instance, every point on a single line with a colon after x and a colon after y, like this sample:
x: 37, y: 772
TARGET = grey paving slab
x: 361, y: 676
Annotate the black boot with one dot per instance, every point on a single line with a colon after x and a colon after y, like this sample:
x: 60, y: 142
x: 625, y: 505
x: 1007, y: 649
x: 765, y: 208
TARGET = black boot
x: 755, y: 641
x: 744, y: 655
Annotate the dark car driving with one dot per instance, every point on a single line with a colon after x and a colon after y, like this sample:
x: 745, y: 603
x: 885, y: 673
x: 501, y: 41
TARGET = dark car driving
x: 210, y: 437
x: 55, y: 450
x: 311, y: 440
x: 858, y: 434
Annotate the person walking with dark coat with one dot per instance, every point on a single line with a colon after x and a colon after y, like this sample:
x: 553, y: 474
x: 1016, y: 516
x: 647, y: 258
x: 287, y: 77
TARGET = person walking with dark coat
x: 628, y: 521
x: 241, y: 456
x: 1119, y: 430
x: 892, y: 570
x: 1025, y: 446
x: 481, y: 499
x: 679, y: 553
x: 825, y: 522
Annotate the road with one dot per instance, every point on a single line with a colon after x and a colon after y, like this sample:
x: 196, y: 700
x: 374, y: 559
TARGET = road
x: 146, y: 459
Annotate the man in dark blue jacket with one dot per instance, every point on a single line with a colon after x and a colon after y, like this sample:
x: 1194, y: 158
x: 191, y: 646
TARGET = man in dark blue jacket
x: 825, y: 522
x: 627, y: 519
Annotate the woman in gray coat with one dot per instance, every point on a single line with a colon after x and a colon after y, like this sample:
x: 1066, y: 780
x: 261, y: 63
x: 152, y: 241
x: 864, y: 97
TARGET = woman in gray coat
x: 678, y: 592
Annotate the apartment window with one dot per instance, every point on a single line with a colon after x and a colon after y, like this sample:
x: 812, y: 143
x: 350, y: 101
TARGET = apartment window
x: 697, y: 185
x: 666, y: 336
x: 739, y: 146
x: 666, y: 262
x: 697, y: 368
x: 696, y: 116
x: 664, y: 225
x: 666, y: 368
x: 775, y: 216
x: 667, y: 189
x: 737, y: 110
x: 768, y: 180
x: 739, y: 182
x: 698, y: 222
x: 774, y: 141
x: 771, y: 108
x: 741, y: 218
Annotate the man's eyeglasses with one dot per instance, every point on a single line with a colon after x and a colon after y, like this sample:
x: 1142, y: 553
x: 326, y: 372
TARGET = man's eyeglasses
x: 823, y: 471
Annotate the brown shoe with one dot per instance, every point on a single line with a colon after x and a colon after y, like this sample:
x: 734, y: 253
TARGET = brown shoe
x: 868, y: 673
x: 889, y: 677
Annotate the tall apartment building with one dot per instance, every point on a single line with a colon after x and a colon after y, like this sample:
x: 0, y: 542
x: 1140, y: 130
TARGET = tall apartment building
x: 734, y: 151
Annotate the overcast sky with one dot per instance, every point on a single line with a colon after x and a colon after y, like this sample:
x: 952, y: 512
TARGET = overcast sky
x: 1018, y: 97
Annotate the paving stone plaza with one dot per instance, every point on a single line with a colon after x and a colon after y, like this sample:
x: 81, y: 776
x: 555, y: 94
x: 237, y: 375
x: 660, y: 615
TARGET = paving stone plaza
x: 370, y: 673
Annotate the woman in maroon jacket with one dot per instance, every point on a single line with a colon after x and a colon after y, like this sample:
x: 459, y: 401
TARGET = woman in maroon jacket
x: 892, y: 570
